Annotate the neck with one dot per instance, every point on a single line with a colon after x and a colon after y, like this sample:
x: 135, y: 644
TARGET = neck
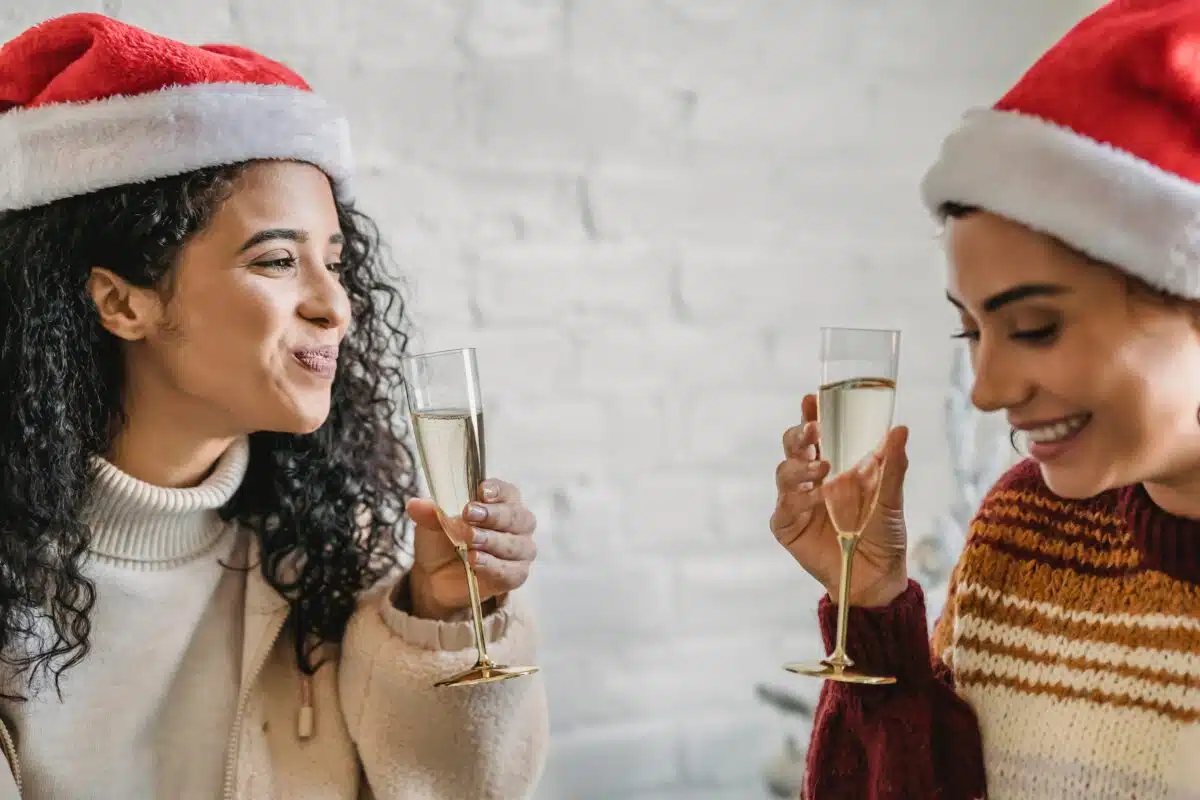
x: 1178, y: 495
x: 171, y: 459
x: 1168, y: 542
x: 158, y: 447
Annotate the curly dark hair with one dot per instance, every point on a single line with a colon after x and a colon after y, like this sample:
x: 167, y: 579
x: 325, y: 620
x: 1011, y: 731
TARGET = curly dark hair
x: 327, y: 507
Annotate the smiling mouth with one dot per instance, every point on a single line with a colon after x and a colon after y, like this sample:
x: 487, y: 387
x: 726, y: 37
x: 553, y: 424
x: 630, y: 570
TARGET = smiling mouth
x: 1059, y: 431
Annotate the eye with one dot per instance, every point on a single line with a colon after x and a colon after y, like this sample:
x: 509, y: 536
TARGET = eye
x: 1042, y: 335
x: 336, y: 266
x: 278, y: 264
x: 969, y: 335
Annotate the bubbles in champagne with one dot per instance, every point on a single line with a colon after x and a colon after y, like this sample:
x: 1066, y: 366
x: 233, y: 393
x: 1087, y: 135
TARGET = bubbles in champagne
x: 451, y: 445
x: 855, y: 415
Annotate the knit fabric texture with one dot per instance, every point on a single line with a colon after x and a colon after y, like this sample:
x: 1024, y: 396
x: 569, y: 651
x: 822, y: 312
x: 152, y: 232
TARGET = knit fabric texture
x: 1066, y: 663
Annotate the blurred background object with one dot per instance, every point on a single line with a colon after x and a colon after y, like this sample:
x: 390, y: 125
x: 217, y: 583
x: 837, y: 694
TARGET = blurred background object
x: 640, y: 211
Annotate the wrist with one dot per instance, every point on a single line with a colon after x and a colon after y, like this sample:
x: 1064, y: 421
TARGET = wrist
x: 883, y: 593
x: 415, y: 598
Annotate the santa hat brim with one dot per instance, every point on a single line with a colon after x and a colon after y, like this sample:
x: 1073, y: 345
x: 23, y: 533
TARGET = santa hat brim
x: 51, y: 152
x: 1104, y: 202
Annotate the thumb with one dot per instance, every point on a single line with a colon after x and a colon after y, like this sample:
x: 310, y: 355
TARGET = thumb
x: 434, y: 537
x: 424, y: 515
x: 895, y: 465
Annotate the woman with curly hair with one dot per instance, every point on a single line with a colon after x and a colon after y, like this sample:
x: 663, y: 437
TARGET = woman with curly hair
x: 204, y: 479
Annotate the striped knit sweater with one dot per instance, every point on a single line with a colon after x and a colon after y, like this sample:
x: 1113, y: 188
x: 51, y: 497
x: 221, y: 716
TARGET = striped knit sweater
x: 1066, y: 663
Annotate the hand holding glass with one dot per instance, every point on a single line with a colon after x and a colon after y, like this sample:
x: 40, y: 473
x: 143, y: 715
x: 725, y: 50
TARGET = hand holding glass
x: 446, y: 409
x: 854, y: 407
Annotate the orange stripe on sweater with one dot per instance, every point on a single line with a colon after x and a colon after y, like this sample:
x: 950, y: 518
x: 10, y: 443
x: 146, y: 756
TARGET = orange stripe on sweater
x: 1082, y: 664
x: 1138, y: 593
x: 1036, y: 544
x: 1107, y: 537
x: 1168, y: 639
x: 977, y: 678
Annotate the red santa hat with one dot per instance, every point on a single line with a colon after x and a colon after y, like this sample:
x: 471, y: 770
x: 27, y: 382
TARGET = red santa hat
x: 1098, y: 144
x: 87, y: 103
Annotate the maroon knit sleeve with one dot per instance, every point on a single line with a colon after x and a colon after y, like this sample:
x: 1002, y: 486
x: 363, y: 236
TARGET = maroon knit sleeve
x: 914, y: 739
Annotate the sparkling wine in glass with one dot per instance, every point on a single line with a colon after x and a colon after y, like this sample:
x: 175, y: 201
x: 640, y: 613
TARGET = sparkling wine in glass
x: 854, y: 407
x: 446, y: 409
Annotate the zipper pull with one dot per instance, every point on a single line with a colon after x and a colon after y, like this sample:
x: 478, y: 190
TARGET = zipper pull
x: 304, y: 722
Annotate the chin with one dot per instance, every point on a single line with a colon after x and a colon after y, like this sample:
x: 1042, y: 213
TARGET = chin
x: 307, y: 426
x: 1074, y: 483
x: 301, y: 419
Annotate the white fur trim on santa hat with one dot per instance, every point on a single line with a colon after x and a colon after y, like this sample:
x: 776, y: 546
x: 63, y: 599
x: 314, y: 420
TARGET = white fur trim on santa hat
x: 1111, y: 205
x: 55, y: 151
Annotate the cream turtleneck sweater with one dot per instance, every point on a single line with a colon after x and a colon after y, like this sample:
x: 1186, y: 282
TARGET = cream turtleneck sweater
x: 148, y: 713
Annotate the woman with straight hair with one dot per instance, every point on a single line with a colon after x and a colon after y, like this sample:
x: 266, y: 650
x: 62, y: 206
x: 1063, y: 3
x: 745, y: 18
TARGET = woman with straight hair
x: 1066, y: 662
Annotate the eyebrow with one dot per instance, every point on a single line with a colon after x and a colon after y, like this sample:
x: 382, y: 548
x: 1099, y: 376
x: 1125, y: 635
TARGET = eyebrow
x: 1022, y: 292
x: 286, y: 234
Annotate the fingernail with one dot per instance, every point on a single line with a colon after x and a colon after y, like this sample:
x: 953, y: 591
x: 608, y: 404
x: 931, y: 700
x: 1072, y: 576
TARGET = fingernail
x: 480, y: 537
x: 490, y: 492
x: 476, y: 513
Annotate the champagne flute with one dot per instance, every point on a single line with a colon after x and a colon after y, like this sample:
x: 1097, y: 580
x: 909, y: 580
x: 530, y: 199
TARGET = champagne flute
x: 854, y: 406
x: 446, y: 409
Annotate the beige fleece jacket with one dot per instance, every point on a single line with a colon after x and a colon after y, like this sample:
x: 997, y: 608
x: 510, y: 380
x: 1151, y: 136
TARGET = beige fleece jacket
x: 379, y: 728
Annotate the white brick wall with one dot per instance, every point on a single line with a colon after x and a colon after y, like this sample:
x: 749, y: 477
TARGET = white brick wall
x: 640, y: 211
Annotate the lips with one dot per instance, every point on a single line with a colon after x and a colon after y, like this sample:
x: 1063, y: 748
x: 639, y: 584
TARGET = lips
x: 319, y: 360
x: 1050, y: 440
x: 1056, y: 430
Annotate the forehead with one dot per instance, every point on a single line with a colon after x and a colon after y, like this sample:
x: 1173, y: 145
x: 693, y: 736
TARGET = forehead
x: 988, y: 254
x: 279, y: 192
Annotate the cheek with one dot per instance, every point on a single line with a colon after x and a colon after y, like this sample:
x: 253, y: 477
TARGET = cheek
x: 1152, y: 396
x: 1066, y: 373
x: 231, y: 338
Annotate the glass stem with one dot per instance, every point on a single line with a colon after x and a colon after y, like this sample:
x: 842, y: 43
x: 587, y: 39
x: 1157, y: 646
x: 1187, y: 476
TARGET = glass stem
x: 464, y: 555
x: 838, y: 657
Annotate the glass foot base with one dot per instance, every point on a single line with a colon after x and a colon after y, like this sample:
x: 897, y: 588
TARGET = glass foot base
x: 833, y: 672
x: 485, y: 673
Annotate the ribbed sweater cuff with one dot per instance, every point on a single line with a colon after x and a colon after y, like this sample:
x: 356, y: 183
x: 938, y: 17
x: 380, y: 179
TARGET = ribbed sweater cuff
x: 892, y: 640
x: 449, y: 636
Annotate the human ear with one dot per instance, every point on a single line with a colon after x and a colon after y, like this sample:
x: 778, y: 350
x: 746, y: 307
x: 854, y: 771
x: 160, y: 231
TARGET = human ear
x: 126, y: 311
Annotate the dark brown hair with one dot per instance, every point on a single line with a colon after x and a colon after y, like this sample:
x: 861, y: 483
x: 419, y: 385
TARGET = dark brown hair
x: 1135, y: 286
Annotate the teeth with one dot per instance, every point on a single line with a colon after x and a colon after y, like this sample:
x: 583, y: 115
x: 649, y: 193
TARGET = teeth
x: 1057, y: 431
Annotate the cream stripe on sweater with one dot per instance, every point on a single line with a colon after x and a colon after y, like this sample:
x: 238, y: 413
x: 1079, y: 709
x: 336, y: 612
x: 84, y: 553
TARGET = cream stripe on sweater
x: 1072, y: 634
x: 147, y: 714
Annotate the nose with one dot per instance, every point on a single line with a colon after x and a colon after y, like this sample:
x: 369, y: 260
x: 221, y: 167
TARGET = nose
x: 999, y: 382
x: 325, y: 302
